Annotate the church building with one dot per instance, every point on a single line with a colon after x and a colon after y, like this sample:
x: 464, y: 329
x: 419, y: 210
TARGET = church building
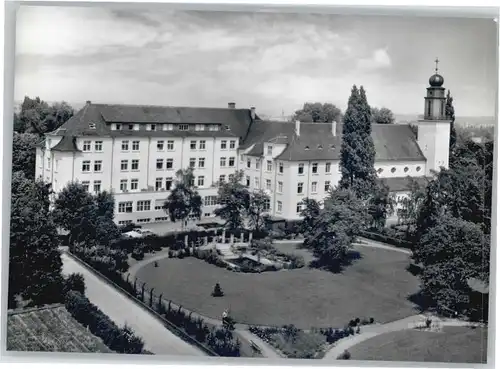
x: 135, y: 151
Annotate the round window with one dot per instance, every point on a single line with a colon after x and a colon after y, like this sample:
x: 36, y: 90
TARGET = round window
x: 393, y: 169
x: 418, y: 169
x: 407, y: 169
x: 380, y: 170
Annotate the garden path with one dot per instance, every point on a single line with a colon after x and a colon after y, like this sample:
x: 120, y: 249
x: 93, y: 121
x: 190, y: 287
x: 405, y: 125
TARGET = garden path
x: 122, y: 310
x: 267, y: 350
x: 371, y: 331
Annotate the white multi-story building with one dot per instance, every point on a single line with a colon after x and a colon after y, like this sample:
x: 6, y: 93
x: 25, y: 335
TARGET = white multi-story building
x: 135, y: 151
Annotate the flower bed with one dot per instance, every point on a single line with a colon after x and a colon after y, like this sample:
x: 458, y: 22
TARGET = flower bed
x: 292, y: 342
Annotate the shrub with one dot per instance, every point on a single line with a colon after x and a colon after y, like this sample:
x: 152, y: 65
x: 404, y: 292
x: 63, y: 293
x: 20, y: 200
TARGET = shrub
x: 138, y: 253
x: 74, y: 282
x: 170, y: 254
x: 346, y: 355
x: 155, y: 264
x: 217, y: 292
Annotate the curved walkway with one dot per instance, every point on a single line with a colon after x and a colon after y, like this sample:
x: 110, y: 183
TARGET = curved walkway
x: 157, y: 339
x: 410, y: 322
x: 267, y: 350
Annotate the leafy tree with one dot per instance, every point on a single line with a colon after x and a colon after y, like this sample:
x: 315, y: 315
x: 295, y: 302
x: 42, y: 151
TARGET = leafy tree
x: 234, y: 199
x: 24, y: 153
x: 358, y: 151
x: 410, y: 206
x: 184, y: 201
x: 257, y: 206
x: 381, y: 205
x: 382, y: 116
x: 318, y: 112
x: 310, y: 212
x: 450, y: 114
x: 106, y: 228
x: 75, y: 211
x: 37, y: 116
x: 452, y: 252
x: 337, y: 226
x: 35, y: 264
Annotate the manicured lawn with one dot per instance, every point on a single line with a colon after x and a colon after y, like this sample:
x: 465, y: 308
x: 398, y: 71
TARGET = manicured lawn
x: 51, y: 329
x: 453, y: 345
x: 375, y: 286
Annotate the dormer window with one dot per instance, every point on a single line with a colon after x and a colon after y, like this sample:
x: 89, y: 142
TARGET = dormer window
x: 153, y: 127
x: 320, y: 147
x: 92, y: 125
x: 227, y: 128
x: 307, y: 148
x: 118, y: 127
x: 332, y: 147
x: 183, y: 127
x: 130, y: 127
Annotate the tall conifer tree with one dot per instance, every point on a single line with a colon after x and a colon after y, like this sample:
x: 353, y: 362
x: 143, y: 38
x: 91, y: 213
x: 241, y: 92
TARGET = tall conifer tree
x: 358, y: 151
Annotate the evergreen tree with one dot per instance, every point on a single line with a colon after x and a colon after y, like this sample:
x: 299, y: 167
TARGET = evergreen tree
x: 35, y: 264
x: 358, y: 151
x: 450, y: 114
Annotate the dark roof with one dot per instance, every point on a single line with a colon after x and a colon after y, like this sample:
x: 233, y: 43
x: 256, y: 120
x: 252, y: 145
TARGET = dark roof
x: 102, y: 115
x: 67, y: 143
x: 399, y: 184
x: 316, y: 141
x: 395, y: 142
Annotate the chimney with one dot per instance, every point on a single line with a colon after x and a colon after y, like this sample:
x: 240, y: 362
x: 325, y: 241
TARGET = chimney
x: 88, y: 102
x: 334, y: 128
x: 252, y: 112
x: 297, y: 127
x: 231, y: 105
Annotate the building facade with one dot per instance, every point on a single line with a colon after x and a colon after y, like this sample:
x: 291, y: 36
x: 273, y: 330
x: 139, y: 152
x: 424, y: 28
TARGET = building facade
x: 135, y: 152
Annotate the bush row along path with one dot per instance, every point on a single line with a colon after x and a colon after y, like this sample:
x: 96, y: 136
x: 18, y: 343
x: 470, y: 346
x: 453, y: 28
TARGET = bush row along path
x: 122, y: 310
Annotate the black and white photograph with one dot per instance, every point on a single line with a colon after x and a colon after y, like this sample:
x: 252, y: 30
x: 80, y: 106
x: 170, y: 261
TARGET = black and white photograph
x: 253, y: 184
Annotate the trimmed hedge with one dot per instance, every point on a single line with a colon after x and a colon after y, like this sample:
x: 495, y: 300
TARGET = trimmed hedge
x: 121, y: 340
x: 397, y: 242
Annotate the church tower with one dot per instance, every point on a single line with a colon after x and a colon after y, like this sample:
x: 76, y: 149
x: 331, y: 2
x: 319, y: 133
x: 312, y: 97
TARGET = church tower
x: 434, y: 130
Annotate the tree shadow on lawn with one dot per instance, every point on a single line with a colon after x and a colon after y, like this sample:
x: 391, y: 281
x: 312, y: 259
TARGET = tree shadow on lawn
x: 337, y: 266
x: 422, y: 302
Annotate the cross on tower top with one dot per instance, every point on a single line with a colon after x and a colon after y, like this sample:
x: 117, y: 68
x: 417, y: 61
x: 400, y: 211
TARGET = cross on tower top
x: 436, y: 61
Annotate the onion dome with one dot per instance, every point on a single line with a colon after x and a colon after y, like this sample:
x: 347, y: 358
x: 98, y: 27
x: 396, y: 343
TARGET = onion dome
x: 436, y: 80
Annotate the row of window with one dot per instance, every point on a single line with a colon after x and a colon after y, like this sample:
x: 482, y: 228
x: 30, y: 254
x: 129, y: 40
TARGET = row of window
x: 145, y: 205
x: 96, y: 187
x: 160, y: 145
x: 314, y: 187
x: 300, y: 169
x: 166, y: 127
x: 86, y: 165
x: 393, y: 169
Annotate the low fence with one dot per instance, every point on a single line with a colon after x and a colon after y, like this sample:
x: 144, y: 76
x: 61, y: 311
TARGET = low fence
x: 172, y: 327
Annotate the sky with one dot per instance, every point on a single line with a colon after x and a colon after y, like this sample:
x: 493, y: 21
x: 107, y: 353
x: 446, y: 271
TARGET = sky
x: 273, y: 61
